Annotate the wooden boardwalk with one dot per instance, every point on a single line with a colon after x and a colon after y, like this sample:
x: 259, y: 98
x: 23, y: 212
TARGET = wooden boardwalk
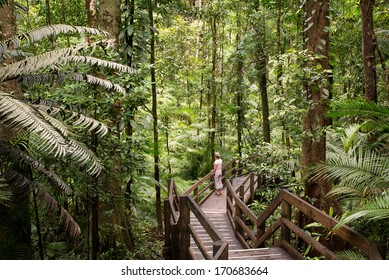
x: 215, y: 208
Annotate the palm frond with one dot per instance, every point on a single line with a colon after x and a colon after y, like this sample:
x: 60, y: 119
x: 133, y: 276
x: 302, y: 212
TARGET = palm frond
x: 16, y: 155
x: 35, y: 63
x: 93, y: 61
x: 5, y: 195
x: 360, y: 169
x: 78, y: 77
x: 351, y: 255
x: 90, y: 124
x: 358, y: 107
x: 52, y: 205
x: 79, y: 152
x: 376, y: 209
x: 41, y: 33
x: 19, y: 116
x: 49, y: 109
x: 19, y: 181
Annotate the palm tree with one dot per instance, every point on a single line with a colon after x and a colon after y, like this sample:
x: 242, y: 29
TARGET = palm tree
x: 45, y: 128
x: 359, y: 167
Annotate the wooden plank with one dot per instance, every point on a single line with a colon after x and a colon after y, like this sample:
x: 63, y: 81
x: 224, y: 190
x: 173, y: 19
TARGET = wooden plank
x: 205, y: 222
x: 199, y: 243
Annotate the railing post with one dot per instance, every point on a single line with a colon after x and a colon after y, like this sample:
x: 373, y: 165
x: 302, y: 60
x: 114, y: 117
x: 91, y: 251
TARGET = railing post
x: 167, y: 248
x: 216, y: 247
x: 286, y: 212
x: 252, y: 193
x: 184, y: 222
x: 238, y: 211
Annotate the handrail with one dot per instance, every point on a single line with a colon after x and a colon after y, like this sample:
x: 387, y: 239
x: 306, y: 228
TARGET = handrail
x: 259, y: 234
x: 220, y: 247
x: 201, y: 193
x: 171, y: 212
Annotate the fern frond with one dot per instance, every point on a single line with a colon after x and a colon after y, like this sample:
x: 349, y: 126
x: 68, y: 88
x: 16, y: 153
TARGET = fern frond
x: 41, y: 33
x: 18, y: 115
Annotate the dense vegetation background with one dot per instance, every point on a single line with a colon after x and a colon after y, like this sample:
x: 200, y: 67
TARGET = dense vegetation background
x: 92, y: 124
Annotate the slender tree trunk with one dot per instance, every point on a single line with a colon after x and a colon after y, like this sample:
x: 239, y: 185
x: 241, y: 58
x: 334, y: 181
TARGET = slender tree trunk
x: 95, y: 199
x: 239, y: 84
x: 213, y: 84
x: 129, y: 129
x: 38, y: 227
x: 262, y: 75
x: 158, y: 204
x: 368, y: 42
x: 91, y: 12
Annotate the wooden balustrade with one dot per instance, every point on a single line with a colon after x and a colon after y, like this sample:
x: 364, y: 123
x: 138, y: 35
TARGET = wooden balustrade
x: 220, y: 247
x: 252, y: 232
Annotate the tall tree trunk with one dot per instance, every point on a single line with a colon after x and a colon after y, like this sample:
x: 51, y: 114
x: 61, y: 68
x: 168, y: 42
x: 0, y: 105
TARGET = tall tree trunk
x: 213, y: 84
x: 313, y: 144
x: 93, y: 195
x: 158, y: 204
x: 91, y: 12
x: 19, y: 208
x: 110, y: 17
x: 261, y: 65
x: 129, y: 129
x: 239, y: 84
x: 368, y: 42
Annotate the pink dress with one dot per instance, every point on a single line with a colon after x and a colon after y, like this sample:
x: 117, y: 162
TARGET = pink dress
x: 217, y: 166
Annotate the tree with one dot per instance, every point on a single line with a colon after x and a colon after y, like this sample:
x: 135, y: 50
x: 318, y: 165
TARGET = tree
x: 314, y: 141
x: 369, y: 44
x: 36, y: 126
x: 156, y: 152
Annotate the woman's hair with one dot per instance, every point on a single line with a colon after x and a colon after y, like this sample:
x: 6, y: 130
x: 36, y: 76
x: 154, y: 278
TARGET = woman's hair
x: 217, y: 155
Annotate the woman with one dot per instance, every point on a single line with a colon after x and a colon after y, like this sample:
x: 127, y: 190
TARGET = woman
x: 217, y: 169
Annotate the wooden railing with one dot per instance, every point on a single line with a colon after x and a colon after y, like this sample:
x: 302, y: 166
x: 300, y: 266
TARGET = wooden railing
x: 203, y: 188
x: 220, y: 247
x: 178, y: 229
x: 172, y: 210
x: 177, y: 223
x: 251, y: 230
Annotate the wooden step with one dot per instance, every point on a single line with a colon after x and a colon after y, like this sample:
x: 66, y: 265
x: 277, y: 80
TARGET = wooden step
x: 275, y: 253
